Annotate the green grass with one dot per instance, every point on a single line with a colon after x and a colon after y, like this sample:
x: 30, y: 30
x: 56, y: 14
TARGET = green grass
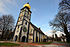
x: 61, y: 42
x: 9, y: 44
x: 44, y: 42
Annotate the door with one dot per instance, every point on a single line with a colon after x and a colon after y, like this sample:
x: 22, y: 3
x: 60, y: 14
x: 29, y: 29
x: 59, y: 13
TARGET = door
x: 16, y: 38
x: 23, y: 39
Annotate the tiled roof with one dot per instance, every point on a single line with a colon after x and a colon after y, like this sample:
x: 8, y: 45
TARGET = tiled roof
x: 37, y: 29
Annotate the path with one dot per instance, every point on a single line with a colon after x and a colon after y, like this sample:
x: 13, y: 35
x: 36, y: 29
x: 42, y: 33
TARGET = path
x: 54, y: 44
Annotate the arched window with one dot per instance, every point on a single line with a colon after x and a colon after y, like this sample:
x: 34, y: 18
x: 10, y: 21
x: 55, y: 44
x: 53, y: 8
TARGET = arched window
x: 16, y: 38
x: 23, y: 39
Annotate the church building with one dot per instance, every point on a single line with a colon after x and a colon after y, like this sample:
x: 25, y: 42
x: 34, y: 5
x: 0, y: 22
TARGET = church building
x: 25, y: 31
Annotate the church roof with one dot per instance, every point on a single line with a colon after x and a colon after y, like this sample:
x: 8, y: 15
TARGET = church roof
x: 37, y: 29
x: 27, y: 8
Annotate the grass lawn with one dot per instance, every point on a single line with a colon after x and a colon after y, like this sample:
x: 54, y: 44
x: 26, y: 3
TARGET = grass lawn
x: 9, y: 44
x: 61, y: 42
x: 44, y: 42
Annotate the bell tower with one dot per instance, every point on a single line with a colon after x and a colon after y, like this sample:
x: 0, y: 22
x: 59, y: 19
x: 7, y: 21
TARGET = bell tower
x: 22, y: 26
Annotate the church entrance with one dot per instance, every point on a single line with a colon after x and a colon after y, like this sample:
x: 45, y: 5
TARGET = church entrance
x: 16, y: 38
x: 23, y: 39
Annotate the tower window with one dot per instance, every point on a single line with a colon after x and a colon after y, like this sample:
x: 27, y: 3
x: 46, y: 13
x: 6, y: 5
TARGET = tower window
x: 26, y: 14
x: 29, y: 16
x: 26, y: 22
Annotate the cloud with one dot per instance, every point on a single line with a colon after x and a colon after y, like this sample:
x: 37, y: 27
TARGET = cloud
x: 34, y: 10
x: 49, y: 33
x: 59, y: 33
x: 2, y: 6
x: 44, y: 25
x: 7, y: 5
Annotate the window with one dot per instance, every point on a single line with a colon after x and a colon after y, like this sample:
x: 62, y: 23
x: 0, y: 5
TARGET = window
x: 29, y: 16
x: 26, y: 22
x: 25, y: 29
x: 17, y: 28
x: 26, y: 14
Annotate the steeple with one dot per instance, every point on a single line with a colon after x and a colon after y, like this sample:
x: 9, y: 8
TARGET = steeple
x: 27, y: 5
x: 23, y: 23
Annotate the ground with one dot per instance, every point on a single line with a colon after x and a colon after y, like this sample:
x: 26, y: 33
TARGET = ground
x: 53, y: 44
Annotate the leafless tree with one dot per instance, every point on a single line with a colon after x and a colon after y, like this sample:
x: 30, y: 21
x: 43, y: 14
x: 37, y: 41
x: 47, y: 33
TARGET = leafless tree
x: 6, y: 24
x: 62, y: 18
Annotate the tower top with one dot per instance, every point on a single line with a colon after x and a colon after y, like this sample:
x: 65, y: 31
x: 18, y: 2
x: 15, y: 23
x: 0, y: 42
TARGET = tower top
x: 27, y: 5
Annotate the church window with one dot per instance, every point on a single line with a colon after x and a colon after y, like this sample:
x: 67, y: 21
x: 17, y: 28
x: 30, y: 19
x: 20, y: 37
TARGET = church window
x: 26, y: 22
x: 26, y: 14
x: 29, y: 16
x: 24, y: 29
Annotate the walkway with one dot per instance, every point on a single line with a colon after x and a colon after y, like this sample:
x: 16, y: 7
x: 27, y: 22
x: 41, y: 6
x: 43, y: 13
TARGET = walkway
x: 54, y: 44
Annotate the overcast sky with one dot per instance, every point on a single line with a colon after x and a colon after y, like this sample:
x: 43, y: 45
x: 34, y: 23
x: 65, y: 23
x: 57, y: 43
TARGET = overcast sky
x: 43, y: 11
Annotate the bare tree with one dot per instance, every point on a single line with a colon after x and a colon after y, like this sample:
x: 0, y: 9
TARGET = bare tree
x: 64, y: 5
x: 62, y: 18
x: 6, y: 24
x: 60, y: 23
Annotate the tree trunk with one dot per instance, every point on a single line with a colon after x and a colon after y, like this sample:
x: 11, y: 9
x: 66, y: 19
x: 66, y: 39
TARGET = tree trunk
x: 67, y: 34
x: 2, y: 35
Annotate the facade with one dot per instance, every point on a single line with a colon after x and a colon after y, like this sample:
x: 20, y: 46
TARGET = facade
x: 25, y: 31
